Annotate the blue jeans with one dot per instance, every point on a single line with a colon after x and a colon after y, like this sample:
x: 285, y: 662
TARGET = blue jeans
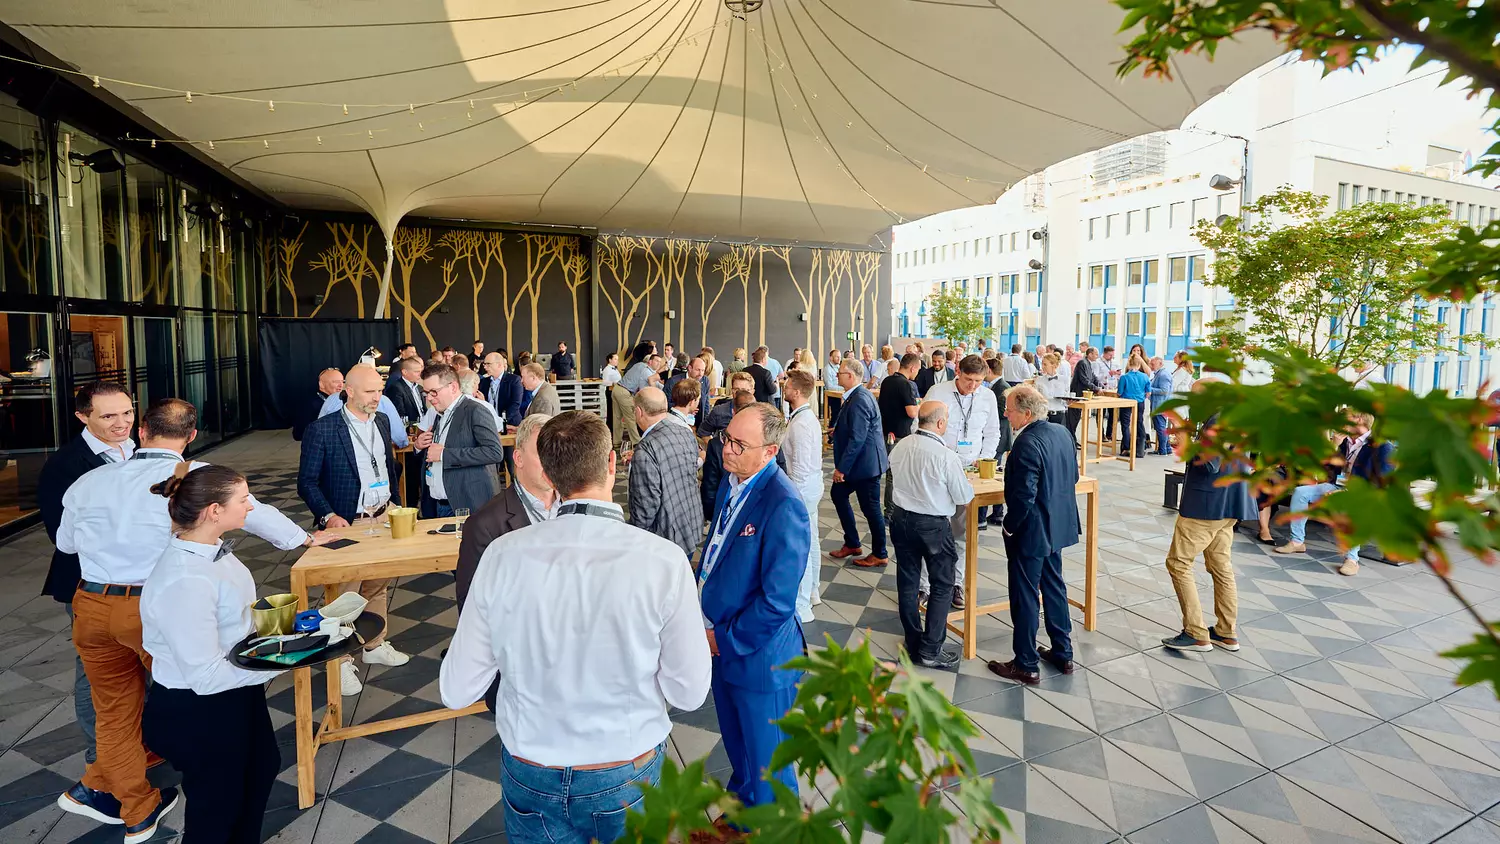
x: 868, y: 491
x: 83, y: 702
x: 1028, y: 576
x: 1303, y: 498
x: 569, y: 806
x: 1159, y: 422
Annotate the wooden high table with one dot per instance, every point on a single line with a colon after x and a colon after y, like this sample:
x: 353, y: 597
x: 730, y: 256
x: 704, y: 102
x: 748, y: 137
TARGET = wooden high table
x: 375, y: 557
x: 1097, y: 405
x: 990, y: 492
x: 506, y: 440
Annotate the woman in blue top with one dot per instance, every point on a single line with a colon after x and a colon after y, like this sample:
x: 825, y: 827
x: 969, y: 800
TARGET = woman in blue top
x: 1161, y: 390
x: 1134, y: 385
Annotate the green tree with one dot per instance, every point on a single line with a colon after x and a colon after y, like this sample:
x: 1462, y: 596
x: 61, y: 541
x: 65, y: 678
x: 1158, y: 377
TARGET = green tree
x: 1443, y: 441
x: 1337, y: 286
x: 954, y: 316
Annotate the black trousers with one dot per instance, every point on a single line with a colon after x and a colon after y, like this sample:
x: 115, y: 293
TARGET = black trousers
x: 1131, y: 416
x: 868, y: 492
x: 922, y: 540
x: 1030, y: 577
x: 226, y: 750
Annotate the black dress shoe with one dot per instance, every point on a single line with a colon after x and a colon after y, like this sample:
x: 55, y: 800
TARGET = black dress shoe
x: 982, y: 526
x: 946, y: 658
x: 958, y: 599
x: 1011, y: 671
x: 995, y: 521
x: 1063, y: 665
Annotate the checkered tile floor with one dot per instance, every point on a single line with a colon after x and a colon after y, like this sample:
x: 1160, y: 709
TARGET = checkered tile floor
x: 1336, y: 722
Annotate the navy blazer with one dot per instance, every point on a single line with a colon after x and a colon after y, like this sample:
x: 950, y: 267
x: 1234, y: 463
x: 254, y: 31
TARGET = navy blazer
x: 65, y: 466
x: 509, y: 403
x: 1041, y: 503
x: 751, y: 595
x: 1372, y: 463
x: 328, y: 477
x: 399, y: 392
x: 859, y: 439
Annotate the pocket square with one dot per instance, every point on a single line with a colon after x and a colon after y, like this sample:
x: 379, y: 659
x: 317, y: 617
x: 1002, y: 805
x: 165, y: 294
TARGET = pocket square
x: 748, y: 531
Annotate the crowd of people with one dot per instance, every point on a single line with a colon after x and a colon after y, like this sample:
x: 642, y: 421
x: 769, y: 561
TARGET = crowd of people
x: 582, y: 657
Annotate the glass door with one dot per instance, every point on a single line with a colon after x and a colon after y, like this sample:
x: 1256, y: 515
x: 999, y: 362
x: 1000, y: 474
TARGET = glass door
x: 28, y: 409
x: 97, y: 349
x: 154, y: 360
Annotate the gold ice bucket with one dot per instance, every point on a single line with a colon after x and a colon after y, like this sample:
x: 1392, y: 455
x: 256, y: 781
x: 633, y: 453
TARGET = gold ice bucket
x: 274, y: 615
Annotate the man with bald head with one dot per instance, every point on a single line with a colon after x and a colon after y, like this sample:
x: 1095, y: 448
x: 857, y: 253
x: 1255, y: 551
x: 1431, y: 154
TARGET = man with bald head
x: 330, y: 384
x: 664, y: 474
x: 927, y: 487
x: 335, y: 402
x: 347, y: 470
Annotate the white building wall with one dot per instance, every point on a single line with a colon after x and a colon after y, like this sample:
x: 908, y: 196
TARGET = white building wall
x: 1388, y: 132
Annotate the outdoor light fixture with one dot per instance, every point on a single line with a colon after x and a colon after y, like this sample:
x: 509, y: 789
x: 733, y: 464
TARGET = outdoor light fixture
x: 1219, y: 181
x: 37, y: 354
x: 11, y: 156
x: 1034, y: 264
x: 740, y: 8
x: 103, y: 161
x: 372, y: 352
x: 1039, y: 233
x: 1222, y: 219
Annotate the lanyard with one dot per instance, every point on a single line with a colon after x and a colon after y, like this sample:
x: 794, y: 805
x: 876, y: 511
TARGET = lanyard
x: 727, y: 517
x: 156, y: 455
x: 447, y: 421
x: 585, y: 508
x: 964, y: 412
x: 369, y: 449
x: 794, y: 414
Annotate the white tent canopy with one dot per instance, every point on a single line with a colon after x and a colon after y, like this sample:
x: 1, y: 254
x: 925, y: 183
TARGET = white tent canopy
x: 807, y: 120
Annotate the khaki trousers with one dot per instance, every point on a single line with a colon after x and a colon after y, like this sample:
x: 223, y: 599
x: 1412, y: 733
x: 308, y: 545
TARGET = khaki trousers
x: 624, y: 433
x: 107, y: 634
x: 1212, y: 539
x: 377, y: 592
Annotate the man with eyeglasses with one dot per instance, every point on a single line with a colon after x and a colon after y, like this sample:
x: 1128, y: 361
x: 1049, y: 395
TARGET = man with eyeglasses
x: 713, y: 452
x: 462, y: 447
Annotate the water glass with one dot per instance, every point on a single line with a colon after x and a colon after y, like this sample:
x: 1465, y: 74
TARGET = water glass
x: 460, y: 515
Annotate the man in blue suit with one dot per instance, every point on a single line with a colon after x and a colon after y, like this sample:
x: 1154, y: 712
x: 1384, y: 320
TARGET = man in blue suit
x: 859, y: 461
x: 1041, y: 519
x: 757, y: 549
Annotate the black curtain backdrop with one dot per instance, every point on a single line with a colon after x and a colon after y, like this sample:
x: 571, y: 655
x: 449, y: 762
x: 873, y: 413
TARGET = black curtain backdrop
x: 294, y: 351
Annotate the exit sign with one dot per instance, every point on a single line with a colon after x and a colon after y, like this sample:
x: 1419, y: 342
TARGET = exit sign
x: 849, y: 336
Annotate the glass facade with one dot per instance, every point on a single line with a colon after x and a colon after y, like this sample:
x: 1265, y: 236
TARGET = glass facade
x: 113, y: 269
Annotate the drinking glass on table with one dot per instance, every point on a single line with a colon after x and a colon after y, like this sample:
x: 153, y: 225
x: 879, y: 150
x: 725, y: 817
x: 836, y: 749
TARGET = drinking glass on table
x: 370, y: 502
x: 460, y: 515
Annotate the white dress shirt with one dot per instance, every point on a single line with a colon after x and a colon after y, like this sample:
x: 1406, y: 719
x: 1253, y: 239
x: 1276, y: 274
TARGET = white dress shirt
x: 927, y: 477
x: 831, y: 376
x: 369, y: 455
x: 1054, y: 387
x: 1015, y: 368
x: 716, y: 375
x: 592, y: 645
x: 803, y: 444
x: 610, y: 376
x: 119, y: 528
x: 333, y: 404
x: 194, y: 610
x: 435, y: 486
x: 973, y: 420
x: 111, y: 453
x: 1064, y: 370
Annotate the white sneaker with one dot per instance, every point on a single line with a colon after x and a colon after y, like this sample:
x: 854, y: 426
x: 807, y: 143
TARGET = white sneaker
x: 349, y: 682
x: 384, y: 654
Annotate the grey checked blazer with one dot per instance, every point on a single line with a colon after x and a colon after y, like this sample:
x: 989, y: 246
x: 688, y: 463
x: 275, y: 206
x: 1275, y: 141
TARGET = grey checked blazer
x: 664, y: 485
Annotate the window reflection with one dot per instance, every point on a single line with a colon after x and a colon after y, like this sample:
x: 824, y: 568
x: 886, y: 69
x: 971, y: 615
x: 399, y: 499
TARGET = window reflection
x: 25, y: 204
x: 92, y: 237
x: 28, y: 411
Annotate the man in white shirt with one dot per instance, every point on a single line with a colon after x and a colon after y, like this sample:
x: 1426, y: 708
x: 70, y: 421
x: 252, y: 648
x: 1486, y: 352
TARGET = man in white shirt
x: 119, y: 529
x: 874, y: 369
x: 335, y: 403
x: 1014, y: 368
x: 973, y: 432
x: 1108, y: 369
x: 831, y: 382
x: 803, y: 445
x: 591, y: 648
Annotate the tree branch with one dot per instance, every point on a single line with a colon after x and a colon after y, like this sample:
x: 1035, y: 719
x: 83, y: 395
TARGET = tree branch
x: 1483, y: 73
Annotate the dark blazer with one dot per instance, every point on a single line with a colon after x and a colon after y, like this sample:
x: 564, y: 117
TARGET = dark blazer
x: 664, y: 495
x: 1373, y: 462
x: 765, y: 382
x: 306, y: 413
x: 65, y: 466
x: 399, y: 392
x: 859, y: 439
x: 562, y: 365
x: 751, y: 595
x: 927, y: 376
x: 1083, y: 379
x: 1203, y: 498
x: 508, y: 404
x: 715, y: 420
x: 499, y: 516
x: 470, y: 456
x: 999, y: 388
x: 1041, y: 506
x: 328, y: 476
x: 704, y: 400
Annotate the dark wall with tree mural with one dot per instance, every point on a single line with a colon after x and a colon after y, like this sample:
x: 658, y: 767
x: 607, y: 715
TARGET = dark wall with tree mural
x: 527, y: 290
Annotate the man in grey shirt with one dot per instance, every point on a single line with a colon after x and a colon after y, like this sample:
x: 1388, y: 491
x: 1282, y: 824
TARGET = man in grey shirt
x: 927, y: 486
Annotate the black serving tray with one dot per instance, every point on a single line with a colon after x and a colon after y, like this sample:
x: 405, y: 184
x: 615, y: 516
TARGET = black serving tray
x: 368, y: 626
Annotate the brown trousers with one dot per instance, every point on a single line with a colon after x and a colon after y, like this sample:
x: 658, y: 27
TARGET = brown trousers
x: 1212, y: 539
x: 107, y: 634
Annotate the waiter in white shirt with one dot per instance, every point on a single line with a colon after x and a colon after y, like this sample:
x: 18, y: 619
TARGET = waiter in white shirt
x: 206, y: 715
x: 973, y: 433
x: 928, y: 485
x: 119, y: 529
x: 803, y: 446
x: 592, y: 648
x: 1014, y: 369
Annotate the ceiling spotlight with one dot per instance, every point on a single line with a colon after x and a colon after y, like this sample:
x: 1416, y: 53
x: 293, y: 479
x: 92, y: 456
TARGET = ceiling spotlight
x: 1034, y: 264
x: 103, y: 161
x: 11, y: 156
x: 1219, y: 181
x: 740, y: 8
x: 209, y: 209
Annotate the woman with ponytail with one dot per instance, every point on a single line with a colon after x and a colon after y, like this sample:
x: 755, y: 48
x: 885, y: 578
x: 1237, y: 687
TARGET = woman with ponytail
x: 204, y: 714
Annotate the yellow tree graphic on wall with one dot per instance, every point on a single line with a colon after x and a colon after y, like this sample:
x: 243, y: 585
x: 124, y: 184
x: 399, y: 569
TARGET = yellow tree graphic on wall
x: 836, y: 271
x: 542, y: 251
x: 575, y: 269
x: 617, y: 259
x: 287, y: 249
x: 412, y: 246
x: 705, y: 305
x: 735, y: 265
x: 867, y: 269
x: 346, y: 260
x: 478, y: 250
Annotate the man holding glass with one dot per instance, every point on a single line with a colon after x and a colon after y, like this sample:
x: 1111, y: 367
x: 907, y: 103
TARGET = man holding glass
x: 462, y: 447
x: 358, y: 436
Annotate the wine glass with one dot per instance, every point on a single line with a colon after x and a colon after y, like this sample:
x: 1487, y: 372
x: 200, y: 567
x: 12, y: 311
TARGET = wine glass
x: 460, y: 515
x: 370, y: 501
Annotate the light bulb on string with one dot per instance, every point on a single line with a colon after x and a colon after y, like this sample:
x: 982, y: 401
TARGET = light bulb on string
x: 346, y: 108
x: 96, y: 82
x: 210, y: 144
x: 267, y: 143
x: 411, y: 108
x: 189, y: 95
x: 270, y: 105
x: 320, y: 140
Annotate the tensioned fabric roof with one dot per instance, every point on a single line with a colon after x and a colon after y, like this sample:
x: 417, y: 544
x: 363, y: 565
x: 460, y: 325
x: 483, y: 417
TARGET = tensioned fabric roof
x: 807, y: 120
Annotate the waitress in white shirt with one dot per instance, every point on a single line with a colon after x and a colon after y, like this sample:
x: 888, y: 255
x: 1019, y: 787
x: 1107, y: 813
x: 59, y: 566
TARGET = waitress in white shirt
x: 204, y: 714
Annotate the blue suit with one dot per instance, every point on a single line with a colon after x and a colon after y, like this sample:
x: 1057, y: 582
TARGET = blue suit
x: 327, y: 475
x: 1041, y: 519
x: 507, y: 402
x: 859, y: 452
x: 750, y: 598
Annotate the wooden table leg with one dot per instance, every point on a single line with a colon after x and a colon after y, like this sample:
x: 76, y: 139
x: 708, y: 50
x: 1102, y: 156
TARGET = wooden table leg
x: 971, y: 576
x: 1083, y: 445
x: 1135, y: 446
x: 1091, y: 562
x: 333, y: 714
x: 302, y: 697
x: 1099, y: 434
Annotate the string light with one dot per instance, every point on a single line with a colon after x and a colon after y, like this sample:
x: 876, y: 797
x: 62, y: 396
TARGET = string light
x: 270, y: 105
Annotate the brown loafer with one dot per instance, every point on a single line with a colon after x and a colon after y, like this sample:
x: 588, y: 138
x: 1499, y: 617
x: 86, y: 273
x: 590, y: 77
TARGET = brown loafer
x: 871, y: 562
x: 1063, y: 665
x: 845, y: 551
x: 1011, y: 671
x: 958, y: 599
